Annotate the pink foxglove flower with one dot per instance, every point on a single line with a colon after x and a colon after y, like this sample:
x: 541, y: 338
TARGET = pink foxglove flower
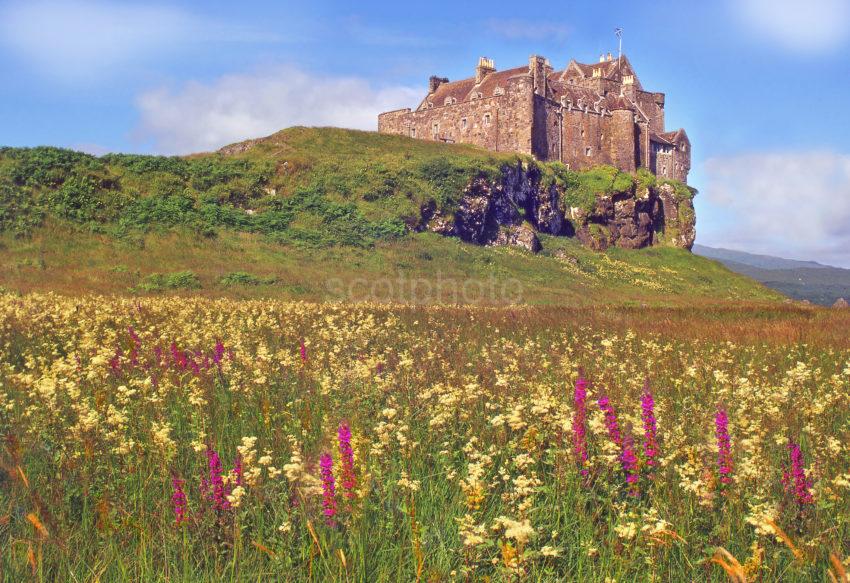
x: 346, y: 454
x: 629, y: 461
x: 215, y: 482
x: 580, y: 426
x: 178, y: 500
x: 326, y: 466
x: 724, y: 446
x: 650, y: 444
x: 610, y: 420
x: 795, y: 480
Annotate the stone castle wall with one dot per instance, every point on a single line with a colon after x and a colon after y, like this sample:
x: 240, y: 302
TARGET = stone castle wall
x: 527, y: 117
x: 500, y: 123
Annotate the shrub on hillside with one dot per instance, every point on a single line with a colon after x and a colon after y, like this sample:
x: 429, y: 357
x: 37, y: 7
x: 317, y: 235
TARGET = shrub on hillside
x: 158, y: 282
x: 245, y: 279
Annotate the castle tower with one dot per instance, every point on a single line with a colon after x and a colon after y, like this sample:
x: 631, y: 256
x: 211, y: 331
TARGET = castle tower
x: 537, y: 70
x: 623, y: 136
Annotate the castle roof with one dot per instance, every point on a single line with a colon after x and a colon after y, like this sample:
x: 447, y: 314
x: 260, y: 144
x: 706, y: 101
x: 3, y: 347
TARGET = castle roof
x: 560, y: 88
x: 673, y: 138
x: 465, y: 89
x: 615, y: 69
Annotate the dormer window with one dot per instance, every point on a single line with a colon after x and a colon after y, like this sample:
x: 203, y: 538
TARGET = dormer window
x: 499, y: 91
x: 449, y: 101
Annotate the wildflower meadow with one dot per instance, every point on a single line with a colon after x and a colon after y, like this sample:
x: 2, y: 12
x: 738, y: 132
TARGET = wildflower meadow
x: 191, y: 439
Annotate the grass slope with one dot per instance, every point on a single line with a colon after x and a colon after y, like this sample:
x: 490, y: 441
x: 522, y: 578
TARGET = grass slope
x: 313, y: 213
x: 422, y: 267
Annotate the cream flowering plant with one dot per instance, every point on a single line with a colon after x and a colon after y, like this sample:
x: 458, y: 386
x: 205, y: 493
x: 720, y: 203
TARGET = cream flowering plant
x: 204, y: 439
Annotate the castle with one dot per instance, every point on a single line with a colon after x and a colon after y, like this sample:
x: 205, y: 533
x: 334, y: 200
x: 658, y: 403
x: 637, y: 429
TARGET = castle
x: 583, y: 116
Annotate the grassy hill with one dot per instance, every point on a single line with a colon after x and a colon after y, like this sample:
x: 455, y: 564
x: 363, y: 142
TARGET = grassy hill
x: 307, y: 213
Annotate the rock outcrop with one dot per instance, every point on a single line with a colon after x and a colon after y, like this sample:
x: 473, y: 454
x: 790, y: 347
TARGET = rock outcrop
x: 512, y: 208
x: 841, y: 303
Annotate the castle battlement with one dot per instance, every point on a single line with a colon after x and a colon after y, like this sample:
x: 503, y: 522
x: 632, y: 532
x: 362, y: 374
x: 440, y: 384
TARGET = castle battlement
x: 584, y: 115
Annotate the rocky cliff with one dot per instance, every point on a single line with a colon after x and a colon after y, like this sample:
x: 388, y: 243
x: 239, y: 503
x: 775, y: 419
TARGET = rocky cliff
x: 511, y: 208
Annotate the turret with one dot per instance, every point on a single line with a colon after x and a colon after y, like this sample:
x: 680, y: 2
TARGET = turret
x: 623, y: 136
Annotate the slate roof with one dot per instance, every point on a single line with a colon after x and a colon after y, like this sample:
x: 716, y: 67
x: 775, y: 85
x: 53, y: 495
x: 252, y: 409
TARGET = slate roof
x: 670, y: 138
x: 465, y: 89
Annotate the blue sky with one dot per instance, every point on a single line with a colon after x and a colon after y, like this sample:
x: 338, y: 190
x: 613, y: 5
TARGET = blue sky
x: 760, y: 85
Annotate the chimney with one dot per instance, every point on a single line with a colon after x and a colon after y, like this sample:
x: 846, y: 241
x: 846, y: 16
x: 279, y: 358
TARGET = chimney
x: 484, y: 68
x: 610, y: 57
x: 434, y: 82
x: 602, y: 58
x: 537, y: 70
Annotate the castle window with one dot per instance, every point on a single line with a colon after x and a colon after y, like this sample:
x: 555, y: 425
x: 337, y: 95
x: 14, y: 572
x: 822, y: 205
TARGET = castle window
x: 587, y: 151
x: 486, y: 119
x: 435, y: 129
x: 463, y: 124
x: 412, y: 132
x: 582, y: 132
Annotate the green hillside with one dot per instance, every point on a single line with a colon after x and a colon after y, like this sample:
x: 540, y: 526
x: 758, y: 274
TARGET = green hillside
x: 314, y: 214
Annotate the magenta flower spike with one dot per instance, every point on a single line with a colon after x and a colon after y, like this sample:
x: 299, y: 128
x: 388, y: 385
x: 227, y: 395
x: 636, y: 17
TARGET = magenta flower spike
x: 216, y: 482
x: 629, y: 461
x: 326, y: 466
x: 724, y: 446
x: 796, y: 481
x: 178, y: 500
x: 346, y: 454
x: 580, y: 426
x: 303, y: 352
x: 610, y: 420
x: 628, y: 458
x: 650, y: 444
x: 218, y: 353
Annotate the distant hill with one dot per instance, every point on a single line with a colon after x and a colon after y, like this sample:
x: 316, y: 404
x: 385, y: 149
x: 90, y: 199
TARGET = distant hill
x: 802, y: 280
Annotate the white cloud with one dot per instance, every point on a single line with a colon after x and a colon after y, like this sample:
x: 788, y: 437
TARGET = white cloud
x: 200, y: 116
x: 80, y: 40
x: 788, y: 204
x: 516, y: 29
x: 805, y: 26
